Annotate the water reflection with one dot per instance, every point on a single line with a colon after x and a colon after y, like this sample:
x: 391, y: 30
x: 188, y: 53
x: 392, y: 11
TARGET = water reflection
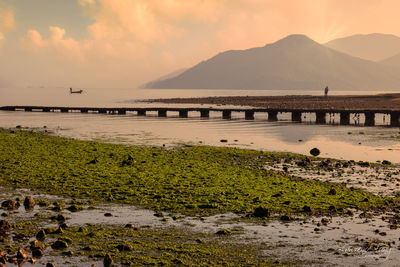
x: 345, y: 142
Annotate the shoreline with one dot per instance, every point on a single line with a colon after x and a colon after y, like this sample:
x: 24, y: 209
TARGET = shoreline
x: 335, y: 102
x: 297, y: 210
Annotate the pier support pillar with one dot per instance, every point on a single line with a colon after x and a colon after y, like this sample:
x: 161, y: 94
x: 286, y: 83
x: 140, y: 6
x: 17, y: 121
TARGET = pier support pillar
x: 183, y: 113
x: 162, y: 113
x: 369, y: 118
x: 296, y: 116
x: 46, y: 110
x: 272, y: 115
x: 205, y: 113
x: 121, y: 111
x: 102, y: 111
x: 394, y: 119
x: 28, y: 109
x: 226, y: 114
x: 344, y: 118
x: 320, y: 117
x: 249, y: 115
x: 84, y: 110
x: 64, y: 110
x: 141, y: 112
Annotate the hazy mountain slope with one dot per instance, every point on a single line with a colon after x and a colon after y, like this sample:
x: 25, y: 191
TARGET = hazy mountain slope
x: 295, y: 62
x: 374, y: 47
x: 392, y: 61
x: 164, y: 77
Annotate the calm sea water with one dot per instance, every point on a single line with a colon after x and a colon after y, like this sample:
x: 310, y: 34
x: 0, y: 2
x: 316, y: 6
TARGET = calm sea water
x: 345, y: 142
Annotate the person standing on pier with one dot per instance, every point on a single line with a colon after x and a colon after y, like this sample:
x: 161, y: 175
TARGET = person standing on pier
x: 326, y: 91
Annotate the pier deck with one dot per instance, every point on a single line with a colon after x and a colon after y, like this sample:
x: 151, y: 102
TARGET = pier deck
x: 296, y: 113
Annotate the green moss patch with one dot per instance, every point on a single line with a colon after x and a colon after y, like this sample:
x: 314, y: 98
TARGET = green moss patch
x: 191, y: 179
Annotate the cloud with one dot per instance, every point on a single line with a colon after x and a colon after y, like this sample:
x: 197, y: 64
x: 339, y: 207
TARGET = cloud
x: 132, y: 41
x: 7, y: 18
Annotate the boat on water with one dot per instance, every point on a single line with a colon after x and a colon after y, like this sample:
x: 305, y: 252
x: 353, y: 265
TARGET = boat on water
x: 75, y: 92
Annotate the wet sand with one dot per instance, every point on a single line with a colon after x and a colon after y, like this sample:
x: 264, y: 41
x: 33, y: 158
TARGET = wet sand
x: 343, y: 102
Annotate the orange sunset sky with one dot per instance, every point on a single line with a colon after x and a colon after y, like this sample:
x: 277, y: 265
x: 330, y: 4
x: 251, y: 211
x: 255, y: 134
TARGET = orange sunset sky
x: 124, y: 43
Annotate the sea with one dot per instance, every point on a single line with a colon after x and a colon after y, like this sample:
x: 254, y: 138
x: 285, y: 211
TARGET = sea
x: 353, y: 142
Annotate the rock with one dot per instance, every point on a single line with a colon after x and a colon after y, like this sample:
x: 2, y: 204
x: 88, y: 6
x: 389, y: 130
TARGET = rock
x: 58, y: 231
x: 307, y: 209
x: 50, y: 264
x: 36, y: 245
x: 60, y: 218
x: 22, y: 254
x: 29, y: 203
x: 332, y: 208
x: 10, y: 204
x: 108, y: 261
x: 223, y: 232
x: 315, y: 152
x: 37, y: 253
x: 332, y: 192
x: 32, y: 261
x: 63, y: 226
x: 324, y: 221
x: 5, y: 226
x: 124, y: 247
x: 286, y: 218
x: 129, y: 225
x: 261, y: 212
x: 107, y: 214
x: 74, y: 208
x: 41, y: 235
x: 59, y: 244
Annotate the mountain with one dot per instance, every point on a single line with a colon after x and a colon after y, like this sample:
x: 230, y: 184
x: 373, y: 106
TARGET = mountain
x: 295, y: 62
x: 374, y: 47
x: 392, y: 61
x: 164, y: 77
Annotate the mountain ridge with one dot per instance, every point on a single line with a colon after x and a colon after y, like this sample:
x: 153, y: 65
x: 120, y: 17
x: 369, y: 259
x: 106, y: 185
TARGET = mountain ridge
x: 295, y: 62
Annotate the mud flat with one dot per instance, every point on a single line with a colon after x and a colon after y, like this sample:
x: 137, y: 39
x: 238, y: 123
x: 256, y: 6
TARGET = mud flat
x: 194, y: 205
x: 307, y: 102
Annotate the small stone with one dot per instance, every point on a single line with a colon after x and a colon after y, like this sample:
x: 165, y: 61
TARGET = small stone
x: 63, y: 226
x: 10, y: 204
x: 41, y: 235
x: 22, y: 254
x: 129, y: 225
x: 124, y: 247
x: 5, y: 226
x: 36, y: 245
x: 223, y: 232
x: 29, y: 203
x: 108, y: 261
x: 59, y: 244
x: 107, y: 214
x: 307, y: 209
x: 286, y: 218
x: 261, y: 212
x: 332, y: 192
x: 50, y: 264
x: 37, y: 253
x: 32, y: 261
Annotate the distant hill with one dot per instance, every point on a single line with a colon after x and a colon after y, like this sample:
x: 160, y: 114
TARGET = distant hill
x: 374, y: 47
x: 164, y: 77
x: 295, y: 62
x: 392, y: 61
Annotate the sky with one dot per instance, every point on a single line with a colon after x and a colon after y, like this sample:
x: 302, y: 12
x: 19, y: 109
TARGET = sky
x: 125, y: 43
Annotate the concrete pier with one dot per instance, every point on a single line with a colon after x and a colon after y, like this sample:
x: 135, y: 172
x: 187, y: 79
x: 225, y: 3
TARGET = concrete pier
x: 344, y: 118
x: 296, y: 116
x: 273, y: 115
x: 369, y: 118
x: 320, y: 117
x: 204, y: 113
x: 162, y: 113
x: 141, y: 112
x: 226, y: 114
x: 394, y: 119
x: 183, y: 113
x: 249, y: 113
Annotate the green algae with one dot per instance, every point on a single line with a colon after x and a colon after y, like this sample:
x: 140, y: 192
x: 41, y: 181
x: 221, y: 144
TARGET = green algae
x: 191, y: 179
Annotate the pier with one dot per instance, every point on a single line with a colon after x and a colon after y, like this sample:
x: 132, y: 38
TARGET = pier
x: 296, y: 115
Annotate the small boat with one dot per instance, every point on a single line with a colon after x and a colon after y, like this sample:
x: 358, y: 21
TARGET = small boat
x: 75, y: 92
